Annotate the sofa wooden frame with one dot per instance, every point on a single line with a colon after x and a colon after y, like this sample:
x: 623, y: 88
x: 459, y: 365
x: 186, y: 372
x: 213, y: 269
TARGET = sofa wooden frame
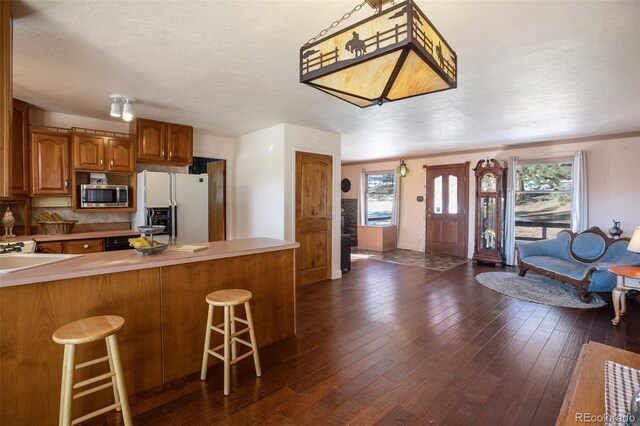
x: 582, y: 286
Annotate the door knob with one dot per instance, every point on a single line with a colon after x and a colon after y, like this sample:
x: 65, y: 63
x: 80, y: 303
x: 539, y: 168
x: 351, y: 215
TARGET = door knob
x: 429, y: 215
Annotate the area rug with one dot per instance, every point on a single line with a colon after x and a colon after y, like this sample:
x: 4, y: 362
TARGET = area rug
x: 438, y: 262
x: 538, y: 289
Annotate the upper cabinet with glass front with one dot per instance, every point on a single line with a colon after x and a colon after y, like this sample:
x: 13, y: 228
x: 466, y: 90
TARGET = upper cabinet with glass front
x: 489, y: 211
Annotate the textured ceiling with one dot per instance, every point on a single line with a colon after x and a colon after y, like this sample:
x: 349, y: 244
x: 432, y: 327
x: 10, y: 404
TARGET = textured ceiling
x: 527, y: 71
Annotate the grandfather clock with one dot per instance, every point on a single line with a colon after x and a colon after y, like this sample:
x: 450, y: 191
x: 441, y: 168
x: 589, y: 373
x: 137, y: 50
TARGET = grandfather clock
x: 489, y: 206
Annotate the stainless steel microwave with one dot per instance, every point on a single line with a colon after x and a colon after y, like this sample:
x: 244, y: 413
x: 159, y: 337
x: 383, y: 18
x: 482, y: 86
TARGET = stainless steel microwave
x: 103, y: 196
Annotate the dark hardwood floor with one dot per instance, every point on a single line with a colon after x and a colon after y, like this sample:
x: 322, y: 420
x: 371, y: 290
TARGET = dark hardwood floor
x: 394, y: 344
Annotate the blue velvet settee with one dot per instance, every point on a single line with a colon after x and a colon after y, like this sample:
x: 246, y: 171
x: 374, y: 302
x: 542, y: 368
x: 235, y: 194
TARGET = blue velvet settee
x: 577, y: 259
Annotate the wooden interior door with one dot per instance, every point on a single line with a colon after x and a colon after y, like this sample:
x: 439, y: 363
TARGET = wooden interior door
x: 313, y: 217
x: 448, y: 209
x: 217, y: 172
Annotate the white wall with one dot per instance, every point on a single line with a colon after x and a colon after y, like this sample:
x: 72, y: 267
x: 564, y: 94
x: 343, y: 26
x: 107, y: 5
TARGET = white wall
x: 56, y: 119
x: 259, y: 179
x: 318, y: 142
x: 265, y: 182
x: 613, y: 179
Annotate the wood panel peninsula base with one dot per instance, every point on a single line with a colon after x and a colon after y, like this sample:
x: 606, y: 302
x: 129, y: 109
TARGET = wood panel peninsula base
x: 162, y: 299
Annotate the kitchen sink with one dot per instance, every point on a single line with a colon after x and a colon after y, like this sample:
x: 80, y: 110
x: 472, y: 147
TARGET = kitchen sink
x: 18, y: 262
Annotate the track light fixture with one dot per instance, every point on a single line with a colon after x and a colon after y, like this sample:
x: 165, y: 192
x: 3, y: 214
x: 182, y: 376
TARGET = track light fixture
x: 122, y: 103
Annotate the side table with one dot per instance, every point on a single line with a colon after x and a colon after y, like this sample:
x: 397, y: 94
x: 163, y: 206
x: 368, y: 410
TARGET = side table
x: 585, y: 393
x: 628, y: 279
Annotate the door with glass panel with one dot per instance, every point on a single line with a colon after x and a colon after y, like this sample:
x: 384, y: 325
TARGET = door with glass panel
x: 447, y: 223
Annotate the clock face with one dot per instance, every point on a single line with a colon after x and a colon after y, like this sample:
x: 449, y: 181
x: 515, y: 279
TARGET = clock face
x: 345, y: 185
x: 488, y: 183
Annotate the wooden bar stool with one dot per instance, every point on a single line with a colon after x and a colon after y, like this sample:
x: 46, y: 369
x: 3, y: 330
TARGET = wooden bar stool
x: 85, y: 331
x: 229, y: 299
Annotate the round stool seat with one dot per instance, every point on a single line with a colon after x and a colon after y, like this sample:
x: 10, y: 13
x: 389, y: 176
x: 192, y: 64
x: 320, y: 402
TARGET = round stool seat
x: 88, y: 330
x: 229, y: 297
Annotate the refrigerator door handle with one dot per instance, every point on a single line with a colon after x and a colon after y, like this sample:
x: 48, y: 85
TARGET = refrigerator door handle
x: 174, y: 222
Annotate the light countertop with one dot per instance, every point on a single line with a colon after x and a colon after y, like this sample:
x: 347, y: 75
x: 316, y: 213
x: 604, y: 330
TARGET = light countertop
x: 130, y: 260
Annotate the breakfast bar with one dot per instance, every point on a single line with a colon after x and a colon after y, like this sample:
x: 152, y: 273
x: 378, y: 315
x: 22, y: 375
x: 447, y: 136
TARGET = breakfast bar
x: 161, y: 298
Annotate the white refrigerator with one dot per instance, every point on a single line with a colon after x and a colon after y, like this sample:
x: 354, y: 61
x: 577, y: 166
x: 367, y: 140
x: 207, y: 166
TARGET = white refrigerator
x: 183, y: 196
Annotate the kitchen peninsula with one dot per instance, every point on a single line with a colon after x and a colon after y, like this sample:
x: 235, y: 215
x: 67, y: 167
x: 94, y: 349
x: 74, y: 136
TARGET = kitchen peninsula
x: 162, y: 299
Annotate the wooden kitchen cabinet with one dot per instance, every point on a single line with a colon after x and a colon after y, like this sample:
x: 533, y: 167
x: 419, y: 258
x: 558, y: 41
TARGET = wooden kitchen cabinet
x: 102, y: 153
x: 95, y: 245
x: 150, y: 136
x: 88, y: 152
x: 180, y: 143
x: 120, y: 155
x: 163, y: 143
x: 49, y: 163
x: 20, y: 149
x: 54, y: 247
x: 83, y: 246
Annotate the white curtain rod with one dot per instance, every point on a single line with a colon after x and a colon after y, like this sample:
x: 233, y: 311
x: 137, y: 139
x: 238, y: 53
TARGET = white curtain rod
x: 556, y: 156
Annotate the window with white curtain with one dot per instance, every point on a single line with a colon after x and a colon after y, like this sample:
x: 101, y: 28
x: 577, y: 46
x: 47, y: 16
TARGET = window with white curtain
x: 543, y: 199
x: 380, y: 197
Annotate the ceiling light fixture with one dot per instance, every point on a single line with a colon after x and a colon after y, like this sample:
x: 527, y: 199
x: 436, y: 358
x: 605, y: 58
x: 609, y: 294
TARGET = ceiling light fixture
x: 127, y: 110
x: 392, y: 55
x: 402, y: 169
x: 122, y: 103
x: 115, y: 108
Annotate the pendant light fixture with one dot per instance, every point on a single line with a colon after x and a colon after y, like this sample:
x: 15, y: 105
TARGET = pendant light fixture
x: 394, y: 54
x: 402, y: 169
x: 122, y: 106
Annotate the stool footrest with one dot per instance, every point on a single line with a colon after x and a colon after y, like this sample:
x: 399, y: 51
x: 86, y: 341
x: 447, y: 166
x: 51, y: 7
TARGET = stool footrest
x: 92, y: 390
x: 241, y: 320
x: 93, y: 380
x: 216, y: 354
x: 244, y: 342
x: 238, y: 333
x: 96, y: 413
x: 241, y: 357
x: 93, y: 361
x: 232, y: 335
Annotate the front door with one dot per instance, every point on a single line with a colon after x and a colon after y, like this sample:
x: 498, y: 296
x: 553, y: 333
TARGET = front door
x: 447, y: 209
x: 313, y: 217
